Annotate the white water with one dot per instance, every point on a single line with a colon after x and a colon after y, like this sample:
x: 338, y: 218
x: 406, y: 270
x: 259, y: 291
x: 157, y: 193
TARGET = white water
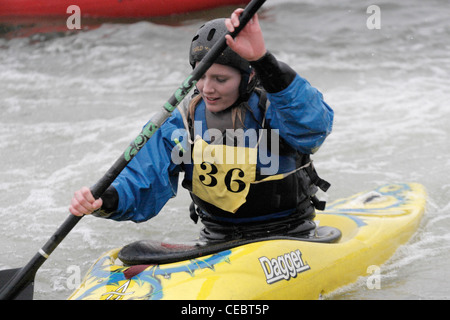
x: 70, y: 105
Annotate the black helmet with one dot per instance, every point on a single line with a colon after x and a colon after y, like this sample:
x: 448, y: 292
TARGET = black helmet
x: 206, y: 37
x: 204, y: 40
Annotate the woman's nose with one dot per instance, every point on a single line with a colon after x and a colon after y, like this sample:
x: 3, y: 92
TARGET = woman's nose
x: 208, y: 86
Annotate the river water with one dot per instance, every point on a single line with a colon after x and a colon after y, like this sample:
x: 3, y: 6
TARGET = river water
x: 70, y: 105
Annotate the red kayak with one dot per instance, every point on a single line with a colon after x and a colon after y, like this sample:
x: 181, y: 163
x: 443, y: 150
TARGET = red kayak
x: 109, y: 8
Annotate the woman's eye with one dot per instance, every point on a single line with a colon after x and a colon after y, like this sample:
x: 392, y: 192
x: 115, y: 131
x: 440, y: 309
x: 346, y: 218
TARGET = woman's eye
x: 221, y: 80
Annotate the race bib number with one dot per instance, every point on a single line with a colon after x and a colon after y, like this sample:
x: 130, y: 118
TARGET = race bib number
x: 222, y: 174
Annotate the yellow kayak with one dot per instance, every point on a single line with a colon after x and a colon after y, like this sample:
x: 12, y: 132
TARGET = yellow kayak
x: 353, y: 235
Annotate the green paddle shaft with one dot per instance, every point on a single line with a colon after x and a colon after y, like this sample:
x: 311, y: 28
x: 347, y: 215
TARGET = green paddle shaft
x: 25, y: 276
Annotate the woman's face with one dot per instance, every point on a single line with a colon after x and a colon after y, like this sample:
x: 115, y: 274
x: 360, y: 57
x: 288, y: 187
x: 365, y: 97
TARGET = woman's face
x: 219, y: 87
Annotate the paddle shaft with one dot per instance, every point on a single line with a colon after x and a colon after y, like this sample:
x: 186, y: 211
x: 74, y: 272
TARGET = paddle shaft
x: 26, y: 275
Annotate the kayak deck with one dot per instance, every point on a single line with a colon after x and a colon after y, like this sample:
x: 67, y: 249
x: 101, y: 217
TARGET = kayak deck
x: 156, y: 252
x: 372, y: 226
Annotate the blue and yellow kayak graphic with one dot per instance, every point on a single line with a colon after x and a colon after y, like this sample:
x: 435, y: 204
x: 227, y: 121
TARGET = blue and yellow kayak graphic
x: 360, y: 231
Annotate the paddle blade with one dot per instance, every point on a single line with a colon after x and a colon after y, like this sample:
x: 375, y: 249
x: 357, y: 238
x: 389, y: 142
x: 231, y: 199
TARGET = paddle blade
x: 25, y: 294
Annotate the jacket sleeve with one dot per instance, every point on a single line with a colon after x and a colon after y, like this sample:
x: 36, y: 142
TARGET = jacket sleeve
x: 149, y: 180
x: 296, y: 108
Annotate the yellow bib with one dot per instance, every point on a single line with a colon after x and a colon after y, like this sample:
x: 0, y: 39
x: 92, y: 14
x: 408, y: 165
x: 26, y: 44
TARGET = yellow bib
x: 222, y: 174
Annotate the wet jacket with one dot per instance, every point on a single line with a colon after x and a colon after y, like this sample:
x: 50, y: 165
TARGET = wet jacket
x: 296, y: 109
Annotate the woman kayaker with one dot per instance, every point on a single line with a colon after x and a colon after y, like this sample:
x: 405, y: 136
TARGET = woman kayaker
x: 243, y: 141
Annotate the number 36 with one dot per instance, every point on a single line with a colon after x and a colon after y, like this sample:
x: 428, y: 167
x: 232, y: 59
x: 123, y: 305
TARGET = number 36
x: 227, y: 180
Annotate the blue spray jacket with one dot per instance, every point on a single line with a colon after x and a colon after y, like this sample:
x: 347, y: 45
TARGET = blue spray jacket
x: 299, y: 113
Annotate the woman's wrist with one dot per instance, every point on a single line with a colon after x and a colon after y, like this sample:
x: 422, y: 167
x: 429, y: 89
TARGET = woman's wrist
x: 256, y: 59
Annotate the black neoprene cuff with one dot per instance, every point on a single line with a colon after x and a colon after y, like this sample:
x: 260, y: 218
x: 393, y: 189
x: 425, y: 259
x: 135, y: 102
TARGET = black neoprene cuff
x: 274, y: 75
x: 110, y: 203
